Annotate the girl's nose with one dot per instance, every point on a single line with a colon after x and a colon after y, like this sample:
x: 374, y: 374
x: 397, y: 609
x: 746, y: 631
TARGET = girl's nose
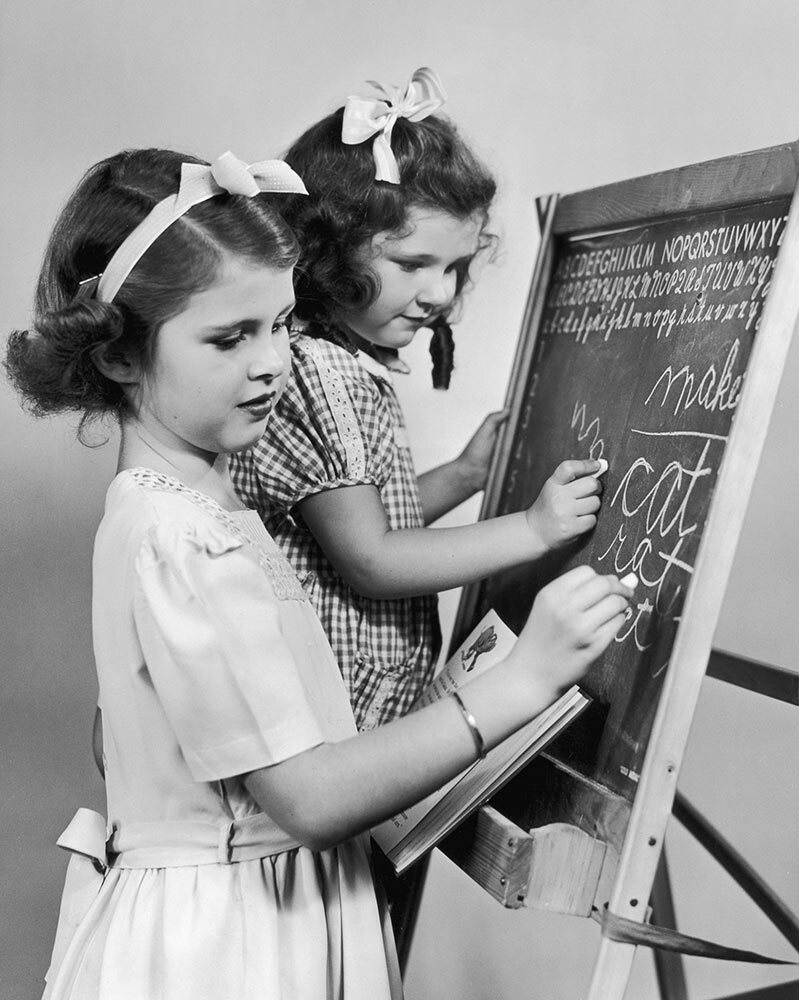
x: 267, y: 363
x: 439, y: 290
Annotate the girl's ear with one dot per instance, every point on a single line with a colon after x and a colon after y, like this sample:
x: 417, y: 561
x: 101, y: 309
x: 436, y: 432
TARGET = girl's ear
x: 116, y: 365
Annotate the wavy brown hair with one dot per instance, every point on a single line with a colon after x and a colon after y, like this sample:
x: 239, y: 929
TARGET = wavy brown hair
x: 51, y: 363
x: 347, y: 207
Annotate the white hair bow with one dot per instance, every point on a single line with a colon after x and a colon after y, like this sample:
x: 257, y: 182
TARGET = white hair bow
x: 198, y: 182
x: 365, y: 117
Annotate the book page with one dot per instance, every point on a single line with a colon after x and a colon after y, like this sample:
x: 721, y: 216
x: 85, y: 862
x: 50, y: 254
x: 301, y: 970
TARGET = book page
x: 488, y: 643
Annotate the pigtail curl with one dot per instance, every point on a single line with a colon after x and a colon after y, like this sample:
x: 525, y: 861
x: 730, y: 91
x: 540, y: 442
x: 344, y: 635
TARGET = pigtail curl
x: 442, y: 353
x: 51, y: 365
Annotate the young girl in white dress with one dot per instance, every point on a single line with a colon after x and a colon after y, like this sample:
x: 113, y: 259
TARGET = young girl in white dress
x: 231, y: 862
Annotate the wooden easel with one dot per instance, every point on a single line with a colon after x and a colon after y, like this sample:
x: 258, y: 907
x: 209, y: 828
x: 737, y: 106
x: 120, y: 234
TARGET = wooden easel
x: 562, y: 836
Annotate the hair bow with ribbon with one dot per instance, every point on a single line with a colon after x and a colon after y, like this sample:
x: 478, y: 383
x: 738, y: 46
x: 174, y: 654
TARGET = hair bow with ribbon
x: 198, y: 182
x: 365, y: 117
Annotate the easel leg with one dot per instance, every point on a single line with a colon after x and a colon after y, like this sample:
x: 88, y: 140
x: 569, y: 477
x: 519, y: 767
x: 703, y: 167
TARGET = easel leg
x: 403, y: 894
x: 408, y: 911
x: 668, y: 965
x: 612, y: 970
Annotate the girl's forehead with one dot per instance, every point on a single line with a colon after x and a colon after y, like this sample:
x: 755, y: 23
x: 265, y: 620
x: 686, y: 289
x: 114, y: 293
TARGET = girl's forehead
x: 240, y: 289
x: 434, y: 233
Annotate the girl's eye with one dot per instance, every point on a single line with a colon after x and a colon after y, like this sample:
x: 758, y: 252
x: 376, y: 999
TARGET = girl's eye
x: 230, y: 342
x: 409, y: 266
x: 283, y: 324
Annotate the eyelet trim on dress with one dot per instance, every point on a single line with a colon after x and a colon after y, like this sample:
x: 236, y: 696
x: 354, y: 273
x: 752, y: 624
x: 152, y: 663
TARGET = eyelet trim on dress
x: 277, y: 568
x: 342, y: 410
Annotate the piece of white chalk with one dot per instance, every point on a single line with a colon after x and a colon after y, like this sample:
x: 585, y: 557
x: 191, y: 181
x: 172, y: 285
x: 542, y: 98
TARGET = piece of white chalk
x: 603, y: 467
x: 631, y: 580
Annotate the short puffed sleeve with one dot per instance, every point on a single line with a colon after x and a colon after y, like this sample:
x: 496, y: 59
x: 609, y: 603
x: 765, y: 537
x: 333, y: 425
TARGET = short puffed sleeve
x: 209, y: 626
x: 331, y: 428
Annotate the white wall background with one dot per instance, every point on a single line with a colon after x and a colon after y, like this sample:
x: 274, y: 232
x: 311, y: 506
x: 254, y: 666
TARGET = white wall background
x: 558, y: 95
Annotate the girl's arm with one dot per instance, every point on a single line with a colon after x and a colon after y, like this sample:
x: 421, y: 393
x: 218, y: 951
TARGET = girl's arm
x: 334, y: 791
x: 351, y: 526
x: 443, y: 488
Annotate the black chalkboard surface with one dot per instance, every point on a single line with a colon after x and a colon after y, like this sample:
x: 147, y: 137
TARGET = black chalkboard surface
x: 640, y: 358
x: 658, y: 321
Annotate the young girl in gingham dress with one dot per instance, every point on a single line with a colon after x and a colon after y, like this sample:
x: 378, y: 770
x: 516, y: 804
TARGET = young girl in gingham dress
x: 387, y: 236
x: 341, y: 425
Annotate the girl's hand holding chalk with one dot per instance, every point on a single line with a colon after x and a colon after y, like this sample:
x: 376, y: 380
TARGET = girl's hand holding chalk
x: 568, y: 503
x: 573, y: 620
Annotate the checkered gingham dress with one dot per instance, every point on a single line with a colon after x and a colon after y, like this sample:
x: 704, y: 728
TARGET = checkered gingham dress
x: 338, y: 424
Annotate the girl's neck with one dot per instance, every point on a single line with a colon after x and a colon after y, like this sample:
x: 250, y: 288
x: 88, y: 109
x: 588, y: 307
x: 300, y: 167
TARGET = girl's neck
x: 388, y: 357
x: 201, y: 471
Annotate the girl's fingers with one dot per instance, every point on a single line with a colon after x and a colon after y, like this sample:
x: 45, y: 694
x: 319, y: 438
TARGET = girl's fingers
x: 493, y: 422
x: 575, y: 468
x: 596, y: 588
x: 585, y: 486
x: 604, y: 611
x: 585, y: 522
x: 605, y: 634
x: 588, y: 505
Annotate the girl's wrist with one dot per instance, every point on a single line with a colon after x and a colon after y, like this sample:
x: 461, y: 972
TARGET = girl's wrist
x: 530, y: 678
x: 471, y: 478
x: 507, y: 697
x: 535, y: 541
x: 461, y: 478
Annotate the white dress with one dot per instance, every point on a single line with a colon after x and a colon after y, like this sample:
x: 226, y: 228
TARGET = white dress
x: 211, y: 663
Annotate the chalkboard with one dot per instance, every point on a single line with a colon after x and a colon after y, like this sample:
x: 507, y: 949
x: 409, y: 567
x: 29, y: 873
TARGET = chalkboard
x: 657, y: 325
x: 640, y: 359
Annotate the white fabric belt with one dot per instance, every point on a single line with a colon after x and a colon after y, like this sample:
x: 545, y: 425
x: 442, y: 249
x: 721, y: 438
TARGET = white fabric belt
x: 173, y: 843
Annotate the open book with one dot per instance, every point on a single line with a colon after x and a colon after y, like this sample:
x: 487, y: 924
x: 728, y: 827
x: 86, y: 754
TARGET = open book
x: 407, y: 836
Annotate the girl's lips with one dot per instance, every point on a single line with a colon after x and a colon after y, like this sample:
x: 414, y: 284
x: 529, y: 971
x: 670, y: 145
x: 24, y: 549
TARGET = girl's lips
x: 260, y: 405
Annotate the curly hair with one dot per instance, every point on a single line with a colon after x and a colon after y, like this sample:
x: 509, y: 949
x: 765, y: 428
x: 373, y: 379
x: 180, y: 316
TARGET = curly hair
x: 347, y: 207
x: 51, y: 364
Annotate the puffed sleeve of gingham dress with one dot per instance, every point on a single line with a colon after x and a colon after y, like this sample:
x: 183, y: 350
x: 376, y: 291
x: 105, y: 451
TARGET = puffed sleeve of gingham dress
x: 331, y: 428
x: 209, y: 627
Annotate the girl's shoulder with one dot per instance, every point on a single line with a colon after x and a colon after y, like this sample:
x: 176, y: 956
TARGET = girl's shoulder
x: 144, y: 504
x: 160, y: 520
x: 153, y: 493
x: 313, y: 356
x: 332, y: 427
x: 330, y: 386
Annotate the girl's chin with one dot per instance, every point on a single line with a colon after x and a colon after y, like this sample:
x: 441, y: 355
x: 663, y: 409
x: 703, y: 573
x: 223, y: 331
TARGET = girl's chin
x: 398, y: 337
x: 258, y: 432
x: 233, y: 444
x: 393, y: 336
x: 407, y: 338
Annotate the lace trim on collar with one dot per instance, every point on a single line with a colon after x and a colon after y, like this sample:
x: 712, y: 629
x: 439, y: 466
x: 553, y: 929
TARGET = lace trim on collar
x: 277, y: 568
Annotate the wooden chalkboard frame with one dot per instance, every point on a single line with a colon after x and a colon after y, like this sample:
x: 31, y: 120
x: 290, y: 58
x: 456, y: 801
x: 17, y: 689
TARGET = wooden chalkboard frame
x: 625, y: 884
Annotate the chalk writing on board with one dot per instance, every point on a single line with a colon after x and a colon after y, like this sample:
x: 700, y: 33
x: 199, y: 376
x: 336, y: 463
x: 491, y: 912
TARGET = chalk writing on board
x: 588, y: 432
x: 640, y: 359
x: 714, y: 390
